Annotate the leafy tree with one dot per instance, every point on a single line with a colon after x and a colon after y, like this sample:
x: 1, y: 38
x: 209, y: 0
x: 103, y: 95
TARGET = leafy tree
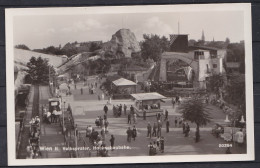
x: 196, y: 112
x: 215, y: 82
x: 22, y: 46
x: 227, y: 40
x: 153, y: 46
x: 236, y: 89
x: 39, y: 70
x: 94, y: 46
x: 236, y: 53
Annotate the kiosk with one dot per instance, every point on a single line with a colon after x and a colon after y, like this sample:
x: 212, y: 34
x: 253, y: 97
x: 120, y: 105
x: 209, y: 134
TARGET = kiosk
x: 148, y: 102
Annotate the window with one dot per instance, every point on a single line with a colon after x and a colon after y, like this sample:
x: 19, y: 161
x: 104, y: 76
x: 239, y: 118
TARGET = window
x: 215, y: 65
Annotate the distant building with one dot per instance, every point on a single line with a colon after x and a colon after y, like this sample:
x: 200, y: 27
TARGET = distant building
x: 203, y: 36
x: 204, y: 61
x: 179, y: 42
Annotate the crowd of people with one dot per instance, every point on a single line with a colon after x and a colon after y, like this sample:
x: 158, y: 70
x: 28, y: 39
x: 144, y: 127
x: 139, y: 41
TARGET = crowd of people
x: 33, y: 149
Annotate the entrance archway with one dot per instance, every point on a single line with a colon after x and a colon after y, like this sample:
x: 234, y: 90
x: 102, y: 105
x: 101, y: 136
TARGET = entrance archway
x: 185, y: 57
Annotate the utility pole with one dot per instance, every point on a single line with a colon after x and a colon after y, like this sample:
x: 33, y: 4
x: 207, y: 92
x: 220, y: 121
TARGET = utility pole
x: 76, y: 140
x: 178, y: 27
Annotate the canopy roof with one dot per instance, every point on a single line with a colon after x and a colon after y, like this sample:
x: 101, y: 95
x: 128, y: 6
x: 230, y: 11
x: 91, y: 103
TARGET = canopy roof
x: 148, y: 96
x: 123, y: 82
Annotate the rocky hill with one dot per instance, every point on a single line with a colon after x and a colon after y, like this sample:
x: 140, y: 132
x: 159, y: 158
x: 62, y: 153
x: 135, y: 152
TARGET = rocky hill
x: 122, y: 44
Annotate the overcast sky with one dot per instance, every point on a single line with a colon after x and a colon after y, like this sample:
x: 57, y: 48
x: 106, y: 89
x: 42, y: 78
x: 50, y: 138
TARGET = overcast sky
x: 44, y: 31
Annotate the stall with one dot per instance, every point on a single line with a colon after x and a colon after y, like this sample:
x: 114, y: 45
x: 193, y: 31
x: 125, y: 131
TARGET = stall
x: 148, y: 102
x: 55, y: 106
x: 122, y: 88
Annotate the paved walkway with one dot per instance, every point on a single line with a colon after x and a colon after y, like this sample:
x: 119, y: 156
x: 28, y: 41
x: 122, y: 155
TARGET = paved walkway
x: 87, y: 107
x: 51, y: 139
x: 30, y: 112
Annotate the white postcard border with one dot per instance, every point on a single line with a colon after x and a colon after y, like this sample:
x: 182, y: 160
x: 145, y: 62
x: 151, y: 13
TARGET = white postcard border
x: 10, y: 13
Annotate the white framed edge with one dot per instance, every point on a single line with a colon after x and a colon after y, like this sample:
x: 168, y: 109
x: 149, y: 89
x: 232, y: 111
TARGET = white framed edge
x: 10, y: 13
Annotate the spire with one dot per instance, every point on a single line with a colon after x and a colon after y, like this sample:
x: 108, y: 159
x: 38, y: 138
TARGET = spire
x: 213, y: 39
x: 203, y: 36
x: 178, y: 27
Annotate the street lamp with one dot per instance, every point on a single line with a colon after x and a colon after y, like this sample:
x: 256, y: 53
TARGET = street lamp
x: 76, y: 139
x: 63, y: 128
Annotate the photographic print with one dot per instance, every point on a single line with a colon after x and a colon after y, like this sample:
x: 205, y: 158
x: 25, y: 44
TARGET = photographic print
x: 129, y: 84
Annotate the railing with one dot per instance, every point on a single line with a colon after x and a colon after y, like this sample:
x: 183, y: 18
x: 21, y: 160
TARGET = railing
x: 22, y: 124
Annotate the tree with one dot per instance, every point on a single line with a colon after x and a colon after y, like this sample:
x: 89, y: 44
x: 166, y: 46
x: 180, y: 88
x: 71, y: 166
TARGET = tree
x: 196, y: 112
x: 227, y: 40
x: 236, y: 53
x: 215, y: 82
x: 153, y: 46
x: 94, y: 46
x: 39, y: 70
x: 22, y: 46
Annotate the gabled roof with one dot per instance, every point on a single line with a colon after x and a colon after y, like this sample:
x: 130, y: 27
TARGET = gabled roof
x: 148, y: 96
x: 123, y: 82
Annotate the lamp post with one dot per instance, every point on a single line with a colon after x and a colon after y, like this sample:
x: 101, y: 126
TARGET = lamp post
x: 63, y: 126
x: 76, y: 139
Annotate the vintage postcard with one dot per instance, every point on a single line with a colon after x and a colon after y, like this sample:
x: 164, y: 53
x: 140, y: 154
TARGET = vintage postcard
x: 129, y: 84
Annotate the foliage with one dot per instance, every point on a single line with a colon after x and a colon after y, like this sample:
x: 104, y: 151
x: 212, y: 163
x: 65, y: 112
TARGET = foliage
x: 22, y: 46
x: 196, y: 112
x: 51, y: 50
x: 227, y: 40
x: 236, y: 53
x: 39, y: 70
x: 94, y: 46
x: 153, y: 46
x: 236, y: 89
x: 215, y: 82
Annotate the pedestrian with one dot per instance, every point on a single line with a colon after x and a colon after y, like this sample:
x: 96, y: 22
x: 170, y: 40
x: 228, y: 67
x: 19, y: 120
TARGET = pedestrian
x: 106, y: 125
x: 105, y: 117
x: 120, y: 110
x: 183, y: 127
x: 154, y: 129
x: 75, y: 86
x: 102, y: 96
x: 134, y: 132
x: 129, y: 134
x: 167, y: 125
x: 180, y: 122
x: 166, y: 115
x: 176, y: 121
x: 144, y: 114
x: 112, y: 142
x: 135, y: 118
x: 162, y: 144
x: 239, y: 137
x: 155, y: 148
x: 125, y: 107
x: 149, y: 130
x: 159, y: 130
x: 150, y: 146
x: 129, y: 119
x: 105, y: 109
x: 81, y: 91
x: 187, y: 130
x: 102, y: 133
x: 159, y: 116
x: 98, y: 97
x: 158, y: 142
x: 173, y: 102
x: 132, y: 109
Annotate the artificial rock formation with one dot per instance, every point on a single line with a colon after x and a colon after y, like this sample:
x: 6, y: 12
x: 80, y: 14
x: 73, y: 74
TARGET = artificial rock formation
x: 123, y: 44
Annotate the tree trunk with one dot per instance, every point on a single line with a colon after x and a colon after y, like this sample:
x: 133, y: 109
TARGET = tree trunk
x: 197, y: 134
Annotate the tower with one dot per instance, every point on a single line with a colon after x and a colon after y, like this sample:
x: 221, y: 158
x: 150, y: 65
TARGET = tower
x: 203, y: 36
